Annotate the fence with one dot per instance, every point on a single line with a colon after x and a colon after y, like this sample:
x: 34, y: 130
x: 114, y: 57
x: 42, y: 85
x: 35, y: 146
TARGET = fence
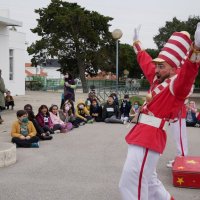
x: 44, y: 84
x: 104, y: 92
x: 102, y: 83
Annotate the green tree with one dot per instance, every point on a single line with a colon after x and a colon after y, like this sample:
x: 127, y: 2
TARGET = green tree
x: 128, y: 60
x: 79, y: 38
x: 175, y: 25
x: 166, y: 31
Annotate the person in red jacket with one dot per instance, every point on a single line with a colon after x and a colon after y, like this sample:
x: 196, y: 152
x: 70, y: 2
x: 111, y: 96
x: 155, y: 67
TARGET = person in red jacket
x: 168, y: 91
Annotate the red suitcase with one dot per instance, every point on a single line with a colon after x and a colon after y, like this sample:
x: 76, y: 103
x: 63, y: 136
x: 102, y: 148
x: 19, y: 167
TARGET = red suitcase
x: 186, y: 172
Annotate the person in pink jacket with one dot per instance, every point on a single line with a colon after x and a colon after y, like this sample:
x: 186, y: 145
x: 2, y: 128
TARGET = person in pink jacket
x: 168, y: 91
x: 57, y: 122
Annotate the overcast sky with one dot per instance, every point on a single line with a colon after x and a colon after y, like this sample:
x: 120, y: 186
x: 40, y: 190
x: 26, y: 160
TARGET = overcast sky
x: 127, y: 14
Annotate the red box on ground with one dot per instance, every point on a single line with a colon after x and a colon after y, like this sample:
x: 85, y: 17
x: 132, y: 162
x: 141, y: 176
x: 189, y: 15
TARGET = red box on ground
x: 186, y: 172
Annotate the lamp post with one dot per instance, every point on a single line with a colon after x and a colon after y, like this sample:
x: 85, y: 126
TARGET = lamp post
x: 117, y: 34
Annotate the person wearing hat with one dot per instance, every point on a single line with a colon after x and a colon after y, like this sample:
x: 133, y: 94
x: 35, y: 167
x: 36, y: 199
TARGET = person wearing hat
x: 167, y: 93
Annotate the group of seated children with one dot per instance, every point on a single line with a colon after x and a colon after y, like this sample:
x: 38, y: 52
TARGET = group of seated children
x: 193, y: 116
x: 30, y: 128
x: 112, y: 113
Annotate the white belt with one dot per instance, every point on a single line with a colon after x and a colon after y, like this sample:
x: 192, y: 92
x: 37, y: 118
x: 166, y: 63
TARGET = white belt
x: 153, y: 121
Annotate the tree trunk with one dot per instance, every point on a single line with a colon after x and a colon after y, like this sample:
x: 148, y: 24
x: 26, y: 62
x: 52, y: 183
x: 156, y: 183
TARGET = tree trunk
x: 80, y: 62
x: 83, y: 80
x: 82, y: 77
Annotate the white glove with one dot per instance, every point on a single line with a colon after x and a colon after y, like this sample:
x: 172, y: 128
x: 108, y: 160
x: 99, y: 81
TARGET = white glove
x: 197, y: 36
x: 136, y: 33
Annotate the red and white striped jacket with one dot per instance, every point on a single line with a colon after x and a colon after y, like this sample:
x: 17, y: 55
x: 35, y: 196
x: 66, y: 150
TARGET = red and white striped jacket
x: 166, y: 104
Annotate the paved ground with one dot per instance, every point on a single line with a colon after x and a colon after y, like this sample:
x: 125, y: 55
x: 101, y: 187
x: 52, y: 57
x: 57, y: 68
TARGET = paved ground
x: 83, y: 165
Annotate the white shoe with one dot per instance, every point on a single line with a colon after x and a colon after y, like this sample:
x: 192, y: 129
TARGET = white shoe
x: 57, y: 131
x: 170, y: 163
x: 124, y: 122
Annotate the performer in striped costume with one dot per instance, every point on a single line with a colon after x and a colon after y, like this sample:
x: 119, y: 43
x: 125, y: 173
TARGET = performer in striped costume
x: 147, y: 139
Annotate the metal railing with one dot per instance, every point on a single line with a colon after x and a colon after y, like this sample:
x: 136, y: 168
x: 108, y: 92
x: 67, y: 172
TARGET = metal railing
x: 104, y: 92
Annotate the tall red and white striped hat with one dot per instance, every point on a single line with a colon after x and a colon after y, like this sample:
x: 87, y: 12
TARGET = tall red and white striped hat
x: 175, y: 50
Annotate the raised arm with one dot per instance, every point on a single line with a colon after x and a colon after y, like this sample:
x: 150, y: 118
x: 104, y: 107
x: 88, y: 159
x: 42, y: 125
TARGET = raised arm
x: 143, y: 58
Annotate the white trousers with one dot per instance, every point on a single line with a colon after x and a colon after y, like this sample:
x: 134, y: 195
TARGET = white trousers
x: 179, y: 133
x: 139, y: 179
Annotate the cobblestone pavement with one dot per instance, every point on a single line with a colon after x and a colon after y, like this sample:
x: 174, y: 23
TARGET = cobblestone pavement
x: 84, y: 164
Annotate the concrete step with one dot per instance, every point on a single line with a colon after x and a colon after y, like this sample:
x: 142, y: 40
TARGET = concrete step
x: 7, y: 154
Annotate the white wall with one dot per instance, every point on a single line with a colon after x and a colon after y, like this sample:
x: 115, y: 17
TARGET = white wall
x: 4, y: 53
x: 17, y: 43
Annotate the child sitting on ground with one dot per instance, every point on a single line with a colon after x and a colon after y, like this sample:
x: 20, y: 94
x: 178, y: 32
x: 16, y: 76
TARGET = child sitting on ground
x: 91, y: 96
x: 67, y: 113
x: 96, y: 111
x: 40, y: 131
x: 125, y: 109
x: 23, y: 131
x: 134, y: 112
x: 44, y: 119
x: 9, y: 101
x: 115, y: 97
x: 110, y: 112
x: 82, y: 114
x: 64, y: 127
x: 191, y: 118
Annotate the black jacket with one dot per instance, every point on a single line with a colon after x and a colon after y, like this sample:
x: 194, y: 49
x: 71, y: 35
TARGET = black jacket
x: 96, y: 110
x: 125, y: 108
x: 110, y: 110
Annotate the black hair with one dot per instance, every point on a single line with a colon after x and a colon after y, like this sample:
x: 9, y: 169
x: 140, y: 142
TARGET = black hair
x: 70, y: 76
x: 126, y: 96
x: 70, y: 79
x: 111, y: 96
x: 21, y: 113
x: 28, y: 106
x: 41, y: 107
x: 31, y: 115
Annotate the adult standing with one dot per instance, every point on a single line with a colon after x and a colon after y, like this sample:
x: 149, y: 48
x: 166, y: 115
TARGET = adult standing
x: 69, y: 86
x: 168, y: 91
x: 2, y: 98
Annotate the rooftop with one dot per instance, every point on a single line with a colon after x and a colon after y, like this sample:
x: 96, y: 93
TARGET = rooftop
x: 9, y: 22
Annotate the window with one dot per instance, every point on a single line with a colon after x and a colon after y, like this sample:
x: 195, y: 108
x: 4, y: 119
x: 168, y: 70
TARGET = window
x: 11, y: 64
